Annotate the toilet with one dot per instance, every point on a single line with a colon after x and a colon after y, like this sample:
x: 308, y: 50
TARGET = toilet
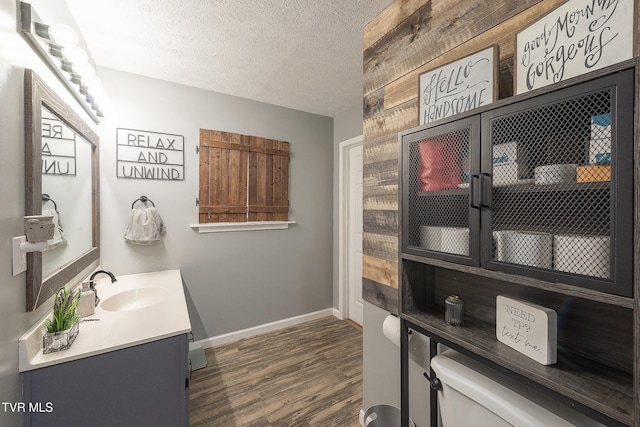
x: 474, y: 395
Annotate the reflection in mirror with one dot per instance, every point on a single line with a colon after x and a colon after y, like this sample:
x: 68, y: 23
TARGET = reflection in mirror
x: 61, y: 179
x: 66, y: 182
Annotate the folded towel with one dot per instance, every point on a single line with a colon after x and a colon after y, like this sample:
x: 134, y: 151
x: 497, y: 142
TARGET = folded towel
x: 58, y: 233
x: 145, y: 227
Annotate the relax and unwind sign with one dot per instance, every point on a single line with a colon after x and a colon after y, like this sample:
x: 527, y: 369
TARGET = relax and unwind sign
x: 149, y: 155
x: 578, y: 37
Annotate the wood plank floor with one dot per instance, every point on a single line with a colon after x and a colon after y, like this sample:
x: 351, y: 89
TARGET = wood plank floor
x: 306, y: 375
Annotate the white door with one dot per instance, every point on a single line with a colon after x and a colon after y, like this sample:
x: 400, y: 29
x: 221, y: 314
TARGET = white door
x: 354, y: 232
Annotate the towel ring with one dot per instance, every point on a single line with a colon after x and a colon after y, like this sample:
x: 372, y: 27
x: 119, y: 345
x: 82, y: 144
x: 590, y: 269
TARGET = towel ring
x: 46, y: 198
x: 143, y: 199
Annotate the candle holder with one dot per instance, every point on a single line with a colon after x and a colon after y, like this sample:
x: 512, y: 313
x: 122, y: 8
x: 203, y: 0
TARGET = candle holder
x: 453, y: 310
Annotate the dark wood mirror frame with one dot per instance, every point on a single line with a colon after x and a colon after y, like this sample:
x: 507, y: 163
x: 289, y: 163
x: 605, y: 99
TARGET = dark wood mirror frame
x: 36, y: 96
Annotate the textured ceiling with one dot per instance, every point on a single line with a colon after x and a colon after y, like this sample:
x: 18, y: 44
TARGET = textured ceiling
x: 300, y: 54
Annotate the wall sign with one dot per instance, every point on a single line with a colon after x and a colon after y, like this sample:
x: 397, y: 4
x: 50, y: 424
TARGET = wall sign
x: 149, y: 155
x: 459, y: 86
x: 528, y: 328
x: 58, y: 146
x: 577, y: 37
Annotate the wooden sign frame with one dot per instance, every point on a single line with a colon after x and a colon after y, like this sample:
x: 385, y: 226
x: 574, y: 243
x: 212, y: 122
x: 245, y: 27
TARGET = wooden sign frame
x: 459, y: 86
x: 577, y: 37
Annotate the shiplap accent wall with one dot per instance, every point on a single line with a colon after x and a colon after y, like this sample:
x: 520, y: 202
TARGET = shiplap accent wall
x: 407, y: 39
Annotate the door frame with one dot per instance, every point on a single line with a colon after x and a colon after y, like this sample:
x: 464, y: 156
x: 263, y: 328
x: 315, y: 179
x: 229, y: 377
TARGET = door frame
x: 343, y: 218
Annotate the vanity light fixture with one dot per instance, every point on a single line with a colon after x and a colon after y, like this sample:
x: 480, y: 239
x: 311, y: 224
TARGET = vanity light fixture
x: 57, y: 46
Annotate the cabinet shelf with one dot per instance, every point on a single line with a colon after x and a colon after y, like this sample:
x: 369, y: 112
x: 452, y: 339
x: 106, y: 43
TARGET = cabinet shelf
x: 564, y: 187
x: 439, y: 193
x: 601, y: 388
x: 524, y: 188
x: 559, y: 288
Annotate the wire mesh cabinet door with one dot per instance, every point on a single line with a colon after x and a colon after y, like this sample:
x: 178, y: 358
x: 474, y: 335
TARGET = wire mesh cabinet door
x: 561, y: 171
x: 440, y: 195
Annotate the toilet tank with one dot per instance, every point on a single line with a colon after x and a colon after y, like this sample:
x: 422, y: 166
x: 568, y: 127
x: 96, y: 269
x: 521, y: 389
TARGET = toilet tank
x: 474, y: 395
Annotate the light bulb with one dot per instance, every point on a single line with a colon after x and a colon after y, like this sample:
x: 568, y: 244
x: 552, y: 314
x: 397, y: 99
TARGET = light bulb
x: 63, y: 35
x: 84, y: 70
x: 74, y: 54
x: 94, y: 86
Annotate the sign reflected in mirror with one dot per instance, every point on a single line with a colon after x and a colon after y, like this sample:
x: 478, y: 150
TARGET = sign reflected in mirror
x: 66, y: 189
x: 61, y: 179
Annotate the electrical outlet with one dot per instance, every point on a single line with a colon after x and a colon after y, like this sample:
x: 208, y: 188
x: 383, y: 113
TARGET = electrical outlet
x: 19, y: 257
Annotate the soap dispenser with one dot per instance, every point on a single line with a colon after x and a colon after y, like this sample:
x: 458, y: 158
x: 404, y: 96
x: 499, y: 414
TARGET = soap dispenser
x: 87, y: 303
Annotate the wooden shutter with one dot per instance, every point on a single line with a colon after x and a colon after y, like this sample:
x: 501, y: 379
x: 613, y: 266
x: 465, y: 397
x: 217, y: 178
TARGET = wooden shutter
x: 243, y: 178
x: 223, y: 176
x: 268, y: 180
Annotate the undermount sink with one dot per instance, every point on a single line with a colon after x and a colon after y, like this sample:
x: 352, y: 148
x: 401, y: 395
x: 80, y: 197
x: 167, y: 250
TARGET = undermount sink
x: 134, y: 299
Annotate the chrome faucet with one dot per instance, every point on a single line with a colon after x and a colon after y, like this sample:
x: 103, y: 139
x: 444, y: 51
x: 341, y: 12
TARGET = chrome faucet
x: 92, y: 284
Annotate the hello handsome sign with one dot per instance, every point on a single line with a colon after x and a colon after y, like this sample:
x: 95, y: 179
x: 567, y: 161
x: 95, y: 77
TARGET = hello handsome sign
x: 459, y: 86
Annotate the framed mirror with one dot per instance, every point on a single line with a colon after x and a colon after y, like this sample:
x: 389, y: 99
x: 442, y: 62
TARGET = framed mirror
x: 61, y: 180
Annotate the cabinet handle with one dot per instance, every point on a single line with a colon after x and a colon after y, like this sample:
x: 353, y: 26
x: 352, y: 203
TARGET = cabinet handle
x: 485, y: 179
x: 472, y: 190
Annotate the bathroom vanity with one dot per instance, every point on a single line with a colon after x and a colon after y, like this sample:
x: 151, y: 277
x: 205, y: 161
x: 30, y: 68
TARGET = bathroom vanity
x: 128, y: 366
x: 531, y: 198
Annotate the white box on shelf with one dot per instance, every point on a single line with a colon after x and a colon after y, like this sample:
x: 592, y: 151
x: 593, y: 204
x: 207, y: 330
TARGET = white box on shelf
x: 509, y: 163
x: 528, y: 328
x: 600, y: 143
x: 505, y: 153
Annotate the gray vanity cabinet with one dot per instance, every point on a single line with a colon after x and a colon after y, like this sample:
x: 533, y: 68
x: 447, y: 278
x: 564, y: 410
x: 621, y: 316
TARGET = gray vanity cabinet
x: 143, y: 385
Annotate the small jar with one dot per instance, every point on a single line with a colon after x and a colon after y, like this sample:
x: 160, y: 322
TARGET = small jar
x: 453, y: 308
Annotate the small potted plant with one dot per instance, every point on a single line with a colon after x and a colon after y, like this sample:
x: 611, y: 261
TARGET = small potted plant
x: 64, y: 325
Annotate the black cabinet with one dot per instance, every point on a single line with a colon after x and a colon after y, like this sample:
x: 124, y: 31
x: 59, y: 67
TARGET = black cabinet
x: 540, y: 187
x: 531, y: 197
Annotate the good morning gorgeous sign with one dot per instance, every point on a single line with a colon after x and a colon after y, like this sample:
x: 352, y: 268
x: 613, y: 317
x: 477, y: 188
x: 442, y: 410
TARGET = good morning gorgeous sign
x: 578, y: 37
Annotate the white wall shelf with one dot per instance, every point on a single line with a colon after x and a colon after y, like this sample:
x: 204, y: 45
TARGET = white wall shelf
x: 221, y: 227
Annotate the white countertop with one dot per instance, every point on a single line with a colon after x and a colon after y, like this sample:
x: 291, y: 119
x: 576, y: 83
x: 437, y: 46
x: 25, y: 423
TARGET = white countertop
x: 116, y: 330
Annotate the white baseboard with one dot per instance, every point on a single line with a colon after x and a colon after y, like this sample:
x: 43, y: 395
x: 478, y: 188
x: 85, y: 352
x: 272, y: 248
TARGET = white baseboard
x: 361, y: 417
x: 260, y: 329
x: 336, y: 313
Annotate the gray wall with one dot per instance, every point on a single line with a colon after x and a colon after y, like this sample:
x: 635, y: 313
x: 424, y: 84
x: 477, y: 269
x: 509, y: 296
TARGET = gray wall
x: 347, y: 124
x: 234, y: 280
x: 15, y: 56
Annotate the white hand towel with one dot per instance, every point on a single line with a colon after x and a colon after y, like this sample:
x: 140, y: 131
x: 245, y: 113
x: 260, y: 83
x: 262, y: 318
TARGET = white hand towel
x: 145, y: 227
x: 58, y: 234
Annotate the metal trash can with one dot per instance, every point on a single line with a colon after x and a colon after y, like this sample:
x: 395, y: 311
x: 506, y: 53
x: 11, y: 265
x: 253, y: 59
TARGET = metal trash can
x: 384, y: 416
